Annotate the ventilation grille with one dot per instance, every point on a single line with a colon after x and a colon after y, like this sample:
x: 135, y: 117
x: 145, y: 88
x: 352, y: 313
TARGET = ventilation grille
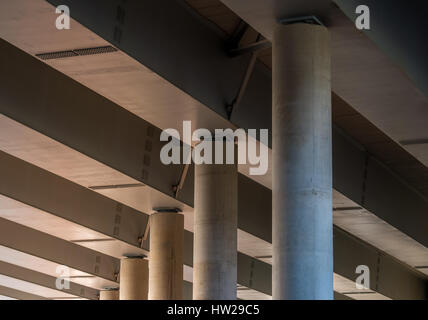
x: 75, y: 52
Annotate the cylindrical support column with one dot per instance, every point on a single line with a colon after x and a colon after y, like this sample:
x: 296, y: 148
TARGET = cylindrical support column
x: 109, y: 295
x: 134, y: 279
x: 215, y: 231
x: 302, y: 231
x: 166, y: 256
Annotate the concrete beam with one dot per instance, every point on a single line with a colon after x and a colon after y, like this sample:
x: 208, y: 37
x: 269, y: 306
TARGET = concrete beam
x: 339, y: 296
x: 388, y: 276
x: 84, y: 114
x: 41, y: 189
x: 252, y: 272
x: 19, y: 295
x: 355, y: 173
x: 191, y: 39
x: 45, y: 246
x: 188, y: 292
x: 45, y: 280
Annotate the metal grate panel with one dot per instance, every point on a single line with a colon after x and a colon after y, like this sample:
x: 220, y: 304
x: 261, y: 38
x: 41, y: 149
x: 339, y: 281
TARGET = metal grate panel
x: 75, y: 52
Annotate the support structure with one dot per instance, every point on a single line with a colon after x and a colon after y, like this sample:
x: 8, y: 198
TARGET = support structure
x: 166, y: 255
x: 19, y: 295
x: 109, y: 295
x: 302, y: 230
x: 45, y: 280
x: 215, y: 231
x: 385, y: 194
x: 134, y: 274
x: 31, y: 241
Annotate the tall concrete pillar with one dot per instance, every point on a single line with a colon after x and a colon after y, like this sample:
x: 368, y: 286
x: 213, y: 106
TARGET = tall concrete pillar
x: 302, y: 230
x: 109, y: 295
x: 134, y: 279
x: 215, y: 231
x: 166, y: 256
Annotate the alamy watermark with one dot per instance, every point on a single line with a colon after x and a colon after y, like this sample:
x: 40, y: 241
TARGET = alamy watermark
x: 363, y: 20
x: 63, y: 20
x: 220, y: 143
x: 363, y: 280
x: 63, y: 280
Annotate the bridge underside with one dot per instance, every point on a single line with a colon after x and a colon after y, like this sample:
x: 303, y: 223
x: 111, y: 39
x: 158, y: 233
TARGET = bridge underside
x: 80, y: 142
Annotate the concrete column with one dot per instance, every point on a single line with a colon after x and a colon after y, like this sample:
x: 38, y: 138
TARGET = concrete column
x: 134, y: 276
x: 166, y: 256
x: 109, y: 295
x: 302, y: 231
x: 215, y: 231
